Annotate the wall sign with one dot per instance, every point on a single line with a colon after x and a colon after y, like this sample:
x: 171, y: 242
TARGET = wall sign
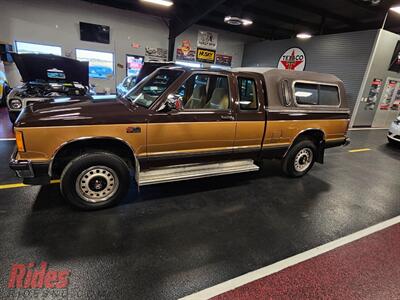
x: 223, y: 60
x: 293, y: 59
x: 388, y: 94
x: 205, y: 55
x: 374, y: 90
x: 207, y: 40
x: 155, y: 54
x: 134, y: 64
x: 189, y: 56
x: 185, y: 52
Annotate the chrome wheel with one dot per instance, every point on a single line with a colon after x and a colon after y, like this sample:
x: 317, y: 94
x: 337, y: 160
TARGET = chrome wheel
x: 97, y: 184
x: 303, y: 160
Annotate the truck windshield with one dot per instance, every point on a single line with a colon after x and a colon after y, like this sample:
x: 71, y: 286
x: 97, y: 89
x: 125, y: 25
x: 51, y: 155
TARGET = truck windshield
x: 147, y: 92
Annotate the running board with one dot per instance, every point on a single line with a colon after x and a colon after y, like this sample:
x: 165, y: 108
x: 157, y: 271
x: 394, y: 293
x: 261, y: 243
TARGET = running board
x: 193, y: 171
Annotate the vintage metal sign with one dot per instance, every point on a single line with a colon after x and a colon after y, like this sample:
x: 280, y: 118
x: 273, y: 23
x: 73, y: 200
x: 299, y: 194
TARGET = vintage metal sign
x: 207, y: 40
x: 293, y: 59
x: 185, y: 52
x: 223, y: 60
x: 205, y: 55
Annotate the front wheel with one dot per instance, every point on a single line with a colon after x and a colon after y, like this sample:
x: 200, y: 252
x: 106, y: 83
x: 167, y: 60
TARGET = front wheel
x: 95, y: 180
x: 392, y: 142
x: 300, y: 159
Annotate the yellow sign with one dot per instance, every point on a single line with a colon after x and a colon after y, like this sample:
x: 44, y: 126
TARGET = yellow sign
x: 204, y: 55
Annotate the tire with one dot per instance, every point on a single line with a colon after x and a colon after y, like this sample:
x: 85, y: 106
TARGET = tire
x: 108, y: 180
x: 393, y: 143
x: 300, y: 158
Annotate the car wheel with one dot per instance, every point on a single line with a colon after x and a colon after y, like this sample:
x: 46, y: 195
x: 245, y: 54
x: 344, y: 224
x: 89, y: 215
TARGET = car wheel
x: 95, y: 180
x: 392, y: 142
x: 300, y: 159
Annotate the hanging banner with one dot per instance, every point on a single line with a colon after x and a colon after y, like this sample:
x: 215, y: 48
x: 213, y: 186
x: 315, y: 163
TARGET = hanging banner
x: 207, y: 40
x: 134, y: 64
x: 185, y: 52
x: 293, y: 59
x: 205, y: 55
x: 155, y: 54
x: 223, y: 60
x: 388, y: 94
x: 372, y: 99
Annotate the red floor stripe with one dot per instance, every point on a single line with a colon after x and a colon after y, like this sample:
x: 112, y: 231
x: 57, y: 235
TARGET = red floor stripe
x: 6, y: 130
x: 368, y: 268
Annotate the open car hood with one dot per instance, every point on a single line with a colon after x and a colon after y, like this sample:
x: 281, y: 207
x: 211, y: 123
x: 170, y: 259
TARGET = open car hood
x: 33, y: 67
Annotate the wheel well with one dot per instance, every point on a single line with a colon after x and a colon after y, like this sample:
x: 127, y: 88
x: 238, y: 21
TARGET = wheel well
x: 318, y: 137
x: 73, y: 149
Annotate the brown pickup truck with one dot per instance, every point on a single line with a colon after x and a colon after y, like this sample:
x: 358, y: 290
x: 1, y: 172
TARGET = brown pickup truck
x: 180, y: 124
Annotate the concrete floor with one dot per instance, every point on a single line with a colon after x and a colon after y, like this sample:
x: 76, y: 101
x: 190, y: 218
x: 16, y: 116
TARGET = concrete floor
x: 175, y: 239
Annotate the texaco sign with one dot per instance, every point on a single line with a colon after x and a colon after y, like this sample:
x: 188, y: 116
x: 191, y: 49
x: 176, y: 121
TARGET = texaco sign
x: 293, y: 59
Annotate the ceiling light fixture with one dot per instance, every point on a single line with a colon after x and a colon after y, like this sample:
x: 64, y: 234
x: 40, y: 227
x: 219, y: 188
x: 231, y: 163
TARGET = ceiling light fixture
x: 247, y: 22
x: 160, y: 2
x: 236, y: 21
x: 396, y: 9
x: 303, y: 35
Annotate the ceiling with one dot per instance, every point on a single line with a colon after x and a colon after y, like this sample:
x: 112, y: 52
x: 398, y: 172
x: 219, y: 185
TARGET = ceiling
x: 273, y: 19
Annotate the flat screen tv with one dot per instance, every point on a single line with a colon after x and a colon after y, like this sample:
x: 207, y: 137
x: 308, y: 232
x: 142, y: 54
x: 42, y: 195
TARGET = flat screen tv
x: 94, y: 33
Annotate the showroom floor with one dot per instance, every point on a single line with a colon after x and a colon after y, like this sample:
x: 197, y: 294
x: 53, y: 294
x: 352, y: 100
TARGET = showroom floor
x: 5, y: 126
x: 177, y: 239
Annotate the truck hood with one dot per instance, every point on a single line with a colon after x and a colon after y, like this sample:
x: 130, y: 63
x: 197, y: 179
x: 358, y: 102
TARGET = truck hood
x: 88, y: 110
x: 35, y: 67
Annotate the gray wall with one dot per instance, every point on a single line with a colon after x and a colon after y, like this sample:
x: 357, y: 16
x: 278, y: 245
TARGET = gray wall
x: 345, y: 55
x: 57, y: 23
x: 379, y: 66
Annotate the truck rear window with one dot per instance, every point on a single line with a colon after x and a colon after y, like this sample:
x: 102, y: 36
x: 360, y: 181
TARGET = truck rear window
x: 316, y: 94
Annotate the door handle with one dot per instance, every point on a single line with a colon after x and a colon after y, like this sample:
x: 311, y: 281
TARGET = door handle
x: 227, y: 118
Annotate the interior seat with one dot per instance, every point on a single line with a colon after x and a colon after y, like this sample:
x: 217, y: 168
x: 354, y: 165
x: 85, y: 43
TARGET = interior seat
x: 219, y: 99
x: 198, y: 98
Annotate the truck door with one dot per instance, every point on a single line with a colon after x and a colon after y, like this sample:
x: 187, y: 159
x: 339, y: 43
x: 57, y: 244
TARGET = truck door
x: 250, y: 116
x: 204, y: 127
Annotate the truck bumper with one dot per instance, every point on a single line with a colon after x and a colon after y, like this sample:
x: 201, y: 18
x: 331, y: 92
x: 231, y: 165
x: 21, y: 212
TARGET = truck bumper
x: 341, y: 142
x: 31, y: 173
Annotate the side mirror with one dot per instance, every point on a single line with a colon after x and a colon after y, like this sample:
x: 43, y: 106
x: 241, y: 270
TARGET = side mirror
x: 174, y: 102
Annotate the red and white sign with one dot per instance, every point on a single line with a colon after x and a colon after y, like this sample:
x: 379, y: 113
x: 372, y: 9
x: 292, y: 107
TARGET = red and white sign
x: 293, y: 59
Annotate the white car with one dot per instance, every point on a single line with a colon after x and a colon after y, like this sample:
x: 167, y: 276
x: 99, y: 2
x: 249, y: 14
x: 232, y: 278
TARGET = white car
x: 394, y: 132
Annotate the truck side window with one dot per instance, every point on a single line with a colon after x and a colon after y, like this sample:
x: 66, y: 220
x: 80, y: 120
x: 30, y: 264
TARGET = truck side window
x: 316, y: 94
x: 306, y: 93
x: 287, y: 98
x: 247, y: 94
x: 328, y: 95
x: 205, y: 91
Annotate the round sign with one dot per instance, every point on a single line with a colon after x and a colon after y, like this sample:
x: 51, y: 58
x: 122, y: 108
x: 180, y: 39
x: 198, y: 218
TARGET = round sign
x: 293, y: 59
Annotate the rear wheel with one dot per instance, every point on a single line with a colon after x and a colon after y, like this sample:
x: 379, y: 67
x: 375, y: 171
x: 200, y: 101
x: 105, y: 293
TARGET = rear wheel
x: 300, y: 158
x: 95, y: 180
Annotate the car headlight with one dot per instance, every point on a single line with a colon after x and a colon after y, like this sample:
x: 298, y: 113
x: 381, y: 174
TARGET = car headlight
x: 16, y: 104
